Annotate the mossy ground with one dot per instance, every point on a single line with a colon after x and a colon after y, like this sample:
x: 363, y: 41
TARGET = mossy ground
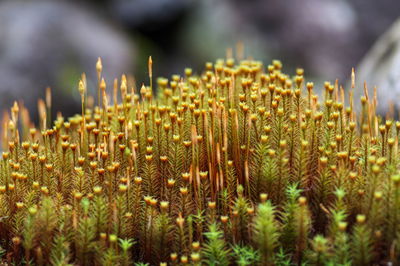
x: 241, y: 164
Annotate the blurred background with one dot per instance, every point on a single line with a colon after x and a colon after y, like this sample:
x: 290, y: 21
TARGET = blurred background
x: 50, y: 43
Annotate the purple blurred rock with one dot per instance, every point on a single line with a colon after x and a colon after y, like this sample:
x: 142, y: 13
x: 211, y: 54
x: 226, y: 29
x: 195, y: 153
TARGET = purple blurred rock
x: 149, y: 14
x: 327, y: 37
x: 50, y: 43
x: 381, y: 68
x: 319, y: 35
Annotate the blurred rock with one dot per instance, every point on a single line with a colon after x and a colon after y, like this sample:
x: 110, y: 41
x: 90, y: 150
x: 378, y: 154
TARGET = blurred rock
x: 50, y: 43
x: 317, y: 35
x: 157, y: 26
x: 320, y: 36
x: 149, y: 15
x: 381, y: 68
x: 327, y: 37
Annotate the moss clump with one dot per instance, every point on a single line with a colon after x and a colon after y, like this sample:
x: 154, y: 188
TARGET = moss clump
x: 240, y: 165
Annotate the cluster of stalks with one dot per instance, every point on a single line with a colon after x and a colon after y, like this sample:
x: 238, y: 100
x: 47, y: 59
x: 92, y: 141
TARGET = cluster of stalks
x: 240, y: 165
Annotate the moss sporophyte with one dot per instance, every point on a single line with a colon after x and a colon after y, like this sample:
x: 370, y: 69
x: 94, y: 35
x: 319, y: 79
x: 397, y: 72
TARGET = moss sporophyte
x: 239, y: 165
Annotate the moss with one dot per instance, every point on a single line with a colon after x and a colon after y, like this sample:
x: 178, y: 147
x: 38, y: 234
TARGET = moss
x: 241, y: 164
